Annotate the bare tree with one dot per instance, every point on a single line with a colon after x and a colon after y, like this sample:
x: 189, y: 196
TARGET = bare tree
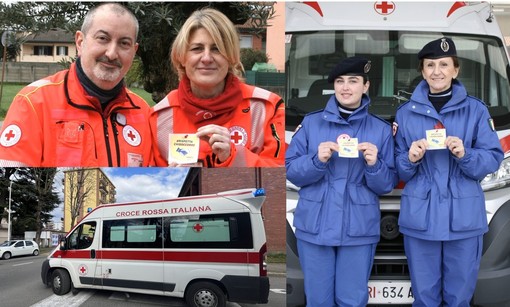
x: 78, y: 186
x: 43, y: 179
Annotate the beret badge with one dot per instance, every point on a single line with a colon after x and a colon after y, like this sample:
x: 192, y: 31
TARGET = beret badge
x: 367, y: 67
x: 444, y: 45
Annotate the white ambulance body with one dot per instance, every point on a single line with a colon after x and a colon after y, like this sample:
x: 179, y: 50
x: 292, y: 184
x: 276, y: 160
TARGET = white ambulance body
x: 390, y: 35
x: 207, y: 249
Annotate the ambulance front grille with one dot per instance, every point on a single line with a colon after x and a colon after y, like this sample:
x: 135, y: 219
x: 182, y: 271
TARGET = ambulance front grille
x: 390, y: 260
x: 390, y: 269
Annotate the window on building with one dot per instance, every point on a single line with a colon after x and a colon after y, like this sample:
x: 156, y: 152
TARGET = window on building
x: 62, y: 50
x: 43, y: 50
x: 246, y: 41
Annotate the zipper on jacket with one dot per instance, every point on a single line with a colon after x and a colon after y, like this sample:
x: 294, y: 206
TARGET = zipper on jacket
x: 105, y: 120
x: 107, y: 141
x: 278, y: 140
x: 115, y: 136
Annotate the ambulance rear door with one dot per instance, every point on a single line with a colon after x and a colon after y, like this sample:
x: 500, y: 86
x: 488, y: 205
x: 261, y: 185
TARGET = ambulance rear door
x: 210, y: 240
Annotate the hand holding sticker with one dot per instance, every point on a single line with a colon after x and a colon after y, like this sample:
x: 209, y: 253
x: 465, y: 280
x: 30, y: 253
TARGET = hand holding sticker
x: 436, y: 139
x: 183, y: 148
x: 347, y: 147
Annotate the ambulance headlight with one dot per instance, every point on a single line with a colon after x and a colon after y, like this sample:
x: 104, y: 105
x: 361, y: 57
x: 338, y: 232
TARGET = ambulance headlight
x: 498, y: 179
x: 259, y: 192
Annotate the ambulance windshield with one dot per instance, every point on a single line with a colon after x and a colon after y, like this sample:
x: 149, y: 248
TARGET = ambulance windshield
x: 394, y: 69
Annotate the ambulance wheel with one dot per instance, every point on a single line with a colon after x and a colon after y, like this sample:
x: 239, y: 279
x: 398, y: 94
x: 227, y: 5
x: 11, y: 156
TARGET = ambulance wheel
x: 61, y: 282
x: 205, y: 294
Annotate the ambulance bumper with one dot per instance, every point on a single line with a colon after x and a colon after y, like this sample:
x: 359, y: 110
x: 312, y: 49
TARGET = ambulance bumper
x: 241, y: 289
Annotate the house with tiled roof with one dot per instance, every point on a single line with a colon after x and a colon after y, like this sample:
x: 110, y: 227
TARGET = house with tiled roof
x: 48, y: 47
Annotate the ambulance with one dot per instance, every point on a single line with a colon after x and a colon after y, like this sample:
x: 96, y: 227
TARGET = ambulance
x: 390, y: 34
x: 207, y: 249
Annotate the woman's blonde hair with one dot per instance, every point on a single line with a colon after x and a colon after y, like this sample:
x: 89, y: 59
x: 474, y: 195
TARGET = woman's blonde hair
x: 223, y: 33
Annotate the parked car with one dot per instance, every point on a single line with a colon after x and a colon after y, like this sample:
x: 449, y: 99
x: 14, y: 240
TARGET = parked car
x: 15, y: 248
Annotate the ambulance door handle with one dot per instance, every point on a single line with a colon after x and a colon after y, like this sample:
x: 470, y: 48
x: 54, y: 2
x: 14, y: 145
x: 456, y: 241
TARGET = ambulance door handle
x: 93, y: 253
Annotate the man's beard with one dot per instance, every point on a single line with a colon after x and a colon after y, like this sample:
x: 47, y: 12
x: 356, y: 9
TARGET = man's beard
x: 107, y: 74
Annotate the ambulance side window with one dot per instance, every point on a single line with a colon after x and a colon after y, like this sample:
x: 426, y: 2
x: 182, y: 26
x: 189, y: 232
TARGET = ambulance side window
x: 132, y: 233
x: 209, y: 231
x: 83, y: 236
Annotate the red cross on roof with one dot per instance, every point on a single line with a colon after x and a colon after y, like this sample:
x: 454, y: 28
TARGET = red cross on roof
x: 384, y: 7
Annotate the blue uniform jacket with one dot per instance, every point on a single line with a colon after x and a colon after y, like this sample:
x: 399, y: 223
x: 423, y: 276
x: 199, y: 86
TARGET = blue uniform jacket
x: 338, y: 200
x: 442, y: 198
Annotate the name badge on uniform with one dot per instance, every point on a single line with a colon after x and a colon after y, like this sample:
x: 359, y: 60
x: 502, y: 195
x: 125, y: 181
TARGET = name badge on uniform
x: 436, y: 139
x: 183, y: 149
x: 347, y: 147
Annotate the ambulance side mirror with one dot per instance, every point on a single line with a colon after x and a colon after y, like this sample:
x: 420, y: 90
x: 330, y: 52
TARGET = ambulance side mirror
x: 63, y: 244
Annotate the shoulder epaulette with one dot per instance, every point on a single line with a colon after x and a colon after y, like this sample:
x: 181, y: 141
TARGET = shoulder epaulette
x: 380, y: 118
x: 478, y: 100
x: 403, y: 104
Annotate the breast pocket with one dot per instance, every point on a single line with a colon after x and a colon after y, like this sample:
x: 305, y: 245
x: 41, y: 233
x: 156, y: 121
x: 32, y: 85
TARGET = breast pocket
x: 75, y: 144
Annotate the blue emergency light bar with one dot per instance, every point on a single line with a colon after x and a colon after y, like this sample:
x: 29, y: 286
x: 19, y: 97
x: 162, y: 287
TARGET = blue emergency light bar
x: 259, y: 192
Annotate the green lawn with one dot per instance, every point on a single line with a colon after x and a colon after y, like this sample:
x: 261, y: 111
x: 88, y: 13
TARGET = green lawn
x: 9, y: 90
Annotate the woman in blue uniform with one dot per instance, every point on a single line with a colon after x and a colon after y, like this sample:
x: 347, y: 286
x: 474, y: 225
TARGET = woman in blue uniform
x: 445, y: 144
x: 342, y: 158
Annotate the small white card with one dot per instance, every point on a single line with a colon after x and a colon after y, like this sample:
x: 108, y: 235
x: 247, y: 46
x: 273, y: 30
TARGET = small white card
x: 183, y: 149
x: 348, y: 147
x: 436, y: 139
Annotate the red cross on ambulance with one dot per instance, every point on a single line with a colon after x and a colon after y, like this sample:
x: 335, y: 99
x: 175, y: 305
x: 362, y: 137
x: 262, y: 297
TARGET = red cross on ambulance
x: 384, y: 7
x: 10, y: 136
x: 82, y: 269
x: 198, y: 227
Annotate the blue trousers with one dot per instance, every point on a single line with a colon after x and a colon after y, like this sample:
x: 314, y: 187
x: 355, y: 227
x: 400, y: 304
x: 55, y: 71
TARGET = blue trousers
x: 336, y: 275
x: 443, y: 273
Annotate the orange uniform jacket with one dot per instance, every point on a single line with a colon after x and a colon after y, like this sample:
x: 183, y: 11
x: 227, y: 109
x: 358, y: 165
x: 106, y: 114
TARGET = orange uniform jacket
x: 256, y: 130
x: 53, y: 122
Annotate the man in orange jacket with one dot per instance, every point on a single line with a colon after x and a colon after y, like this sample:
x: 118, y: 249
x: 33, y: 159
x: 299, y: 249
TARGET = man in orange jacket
x: 84, y: 116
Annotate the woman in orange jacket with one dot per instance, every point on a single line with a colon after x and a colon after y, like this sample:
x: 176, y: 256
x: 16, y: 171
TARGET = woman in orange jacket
x: 236, y: 124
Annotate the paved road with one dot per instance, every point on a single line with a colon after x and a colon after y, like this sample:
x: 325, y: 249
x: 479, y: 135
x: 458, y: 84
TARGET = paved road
x: 21, y: 286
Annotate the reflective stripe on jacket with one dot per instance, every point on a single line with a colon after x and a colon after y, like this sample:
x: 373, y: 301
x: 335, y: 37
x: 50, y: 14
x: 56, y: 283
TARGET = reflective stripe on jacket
x: 256, y: 130
x: 53, y: 122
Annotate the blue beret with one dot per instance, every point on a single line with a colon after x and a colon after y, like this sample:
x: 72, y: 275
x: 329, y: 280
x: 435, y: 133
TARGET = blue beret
x: 356, y: 66
x: 439, y: 48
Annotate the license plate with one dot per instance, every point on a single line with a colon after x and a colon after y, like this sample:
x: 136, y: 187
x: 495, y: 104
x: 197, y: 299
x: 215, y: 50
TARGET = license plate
x: 390, y: 292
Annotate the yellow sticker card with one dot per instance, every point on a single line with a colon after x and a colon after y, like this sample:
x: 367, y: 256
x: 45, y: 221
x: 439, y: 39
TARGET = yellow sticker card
x: 183, y: 149
x: 348, y: 148
x: 436, y: 139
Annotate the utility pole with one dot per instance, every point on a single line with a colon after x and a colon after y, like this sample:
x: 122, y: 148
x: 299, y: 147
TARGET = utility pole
x: 9, y: 212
